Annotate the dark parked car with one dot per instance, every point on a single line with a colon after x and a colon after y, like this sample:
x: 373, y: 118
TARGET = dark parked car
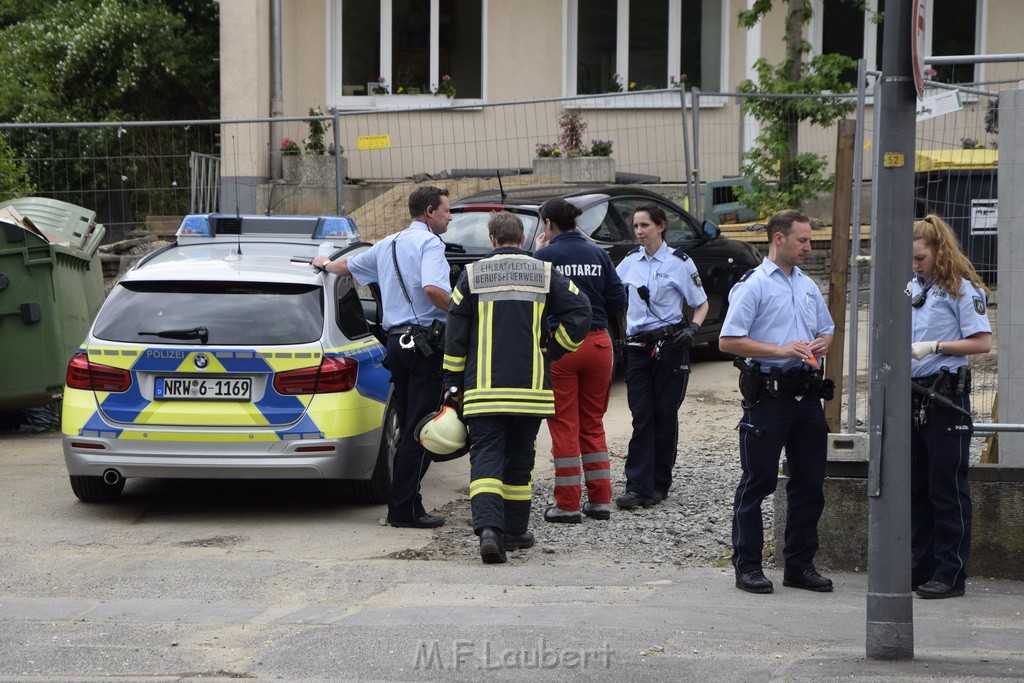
x: 607, y: 220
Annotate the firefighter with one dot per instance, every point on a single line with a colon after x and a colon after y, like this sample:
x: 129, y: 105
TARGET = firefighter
x: 497, y: 351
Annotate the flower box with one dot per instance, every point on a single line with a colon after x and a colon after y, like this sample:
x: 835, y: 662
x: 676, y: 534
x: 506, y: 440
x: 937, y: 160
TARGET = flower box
x: 421, y: 101
x: 577, y: 169
x: 311, y: 170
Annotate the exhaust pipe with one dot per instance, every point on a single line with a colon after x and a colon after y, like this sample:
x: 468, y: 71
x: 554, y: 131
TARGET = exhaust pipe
x: 111, y: 477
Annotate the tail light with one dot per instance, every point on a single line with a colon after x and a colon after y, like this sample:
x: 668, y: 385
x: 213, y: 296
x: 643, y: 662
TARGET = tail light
x: 333, y: 375
x: 85, y: 375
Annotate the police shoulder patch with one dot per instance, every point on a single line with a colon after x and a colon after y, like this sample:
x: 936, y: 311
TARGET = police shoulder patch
x: 679, y: 253
x: 696, y: 280
x: 743, y: 278
x: 979, y: 305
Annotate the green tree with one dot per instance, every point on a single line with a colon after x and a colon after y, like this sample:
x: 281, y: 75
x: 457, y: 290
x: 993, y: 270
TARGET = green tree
x: 798, y: 176
x: 14, y: 180
x: 108, y: 60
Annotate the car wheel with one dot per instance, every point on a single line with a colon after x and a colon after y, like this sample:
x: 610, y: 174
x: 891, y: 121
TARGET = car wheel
x: 95, y: 490
x: 377, y: 489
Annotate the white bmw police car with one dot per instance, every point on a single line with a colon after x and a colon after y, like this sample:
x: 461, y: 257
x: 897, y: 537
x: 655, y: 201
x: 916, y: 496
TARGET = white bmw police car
x: 224, y: 355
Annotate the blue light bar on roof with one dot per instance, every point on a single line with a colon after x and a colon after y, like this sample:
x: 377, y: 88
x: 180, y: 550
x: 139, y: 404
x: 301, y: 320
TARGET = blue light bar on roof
x: 195, y: 226
x: 335, y: 226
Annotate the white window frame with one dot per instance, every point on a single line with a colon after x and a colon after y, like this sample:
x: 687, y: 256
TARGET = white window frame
x: 334, y: 52
x: 642, y: 100
x: 872, y: 35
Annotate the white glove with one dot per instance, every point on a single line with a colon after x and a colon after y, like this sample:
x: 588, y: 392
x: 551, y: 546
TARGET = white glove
x: 919, y: 350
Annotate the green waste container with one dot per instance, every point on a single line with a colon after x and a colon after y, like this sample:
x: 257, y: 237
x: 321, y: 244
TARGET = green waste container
x: 51, y: 286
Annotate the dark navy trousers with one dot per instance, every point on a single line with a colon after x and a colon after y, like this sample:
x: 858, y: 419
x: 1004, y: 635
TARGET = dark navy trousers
x: 501, y: 456
x: 767, y: 427
x: 417, y: 391
x: 940, y: 500
x: 655, y: 388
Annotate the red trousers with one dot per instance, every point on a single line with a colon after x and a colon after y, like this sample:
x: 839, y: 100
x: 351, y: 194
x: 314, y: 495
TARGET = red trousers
x: 581, y: 382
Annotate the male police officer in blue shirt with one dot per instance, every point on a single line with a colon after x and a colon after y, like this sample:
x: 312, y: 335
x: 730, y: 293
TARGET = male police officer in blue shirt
x: 778, y: 321
x: 413, y: 276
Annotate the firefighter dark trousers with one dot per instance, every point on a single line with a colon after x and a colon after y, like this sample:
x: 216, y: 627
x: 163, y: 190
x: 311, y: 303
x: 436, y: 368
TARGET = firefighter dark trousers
x: 655, y: 388
x: 581, y: 382
x: 940, y: 500
x: 501, y: 468
x: 768, y: 426
x: 417, y: 391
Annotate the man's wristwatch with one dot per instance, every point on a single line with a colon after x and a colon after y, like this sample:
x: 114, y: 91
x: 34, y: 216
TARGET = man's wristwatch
x: 938, y: 348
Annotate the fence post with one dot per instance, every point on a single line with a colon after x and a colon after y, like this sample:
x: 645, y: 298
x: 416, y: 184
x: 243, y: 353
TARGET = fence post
x: 839, y: 266
x: 339, y: 179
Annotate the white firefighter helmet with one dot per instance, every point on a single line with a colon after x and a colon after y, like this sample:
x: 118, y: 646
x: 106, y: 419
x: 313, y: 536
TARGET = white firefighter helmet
x: 443, y: 434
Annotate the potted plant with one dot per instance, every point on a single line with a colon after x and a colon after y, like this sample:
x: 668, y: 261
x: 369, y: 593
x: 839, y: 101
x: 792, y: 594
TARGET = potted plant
x: 413, y: 96
x: 570, y: 159
x: 315, y: 168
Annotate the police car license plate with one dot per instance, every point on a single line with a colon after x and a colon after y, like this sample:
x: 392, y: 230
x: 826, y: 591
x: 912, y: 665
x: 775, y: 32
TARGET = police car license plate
x: 204, y: 388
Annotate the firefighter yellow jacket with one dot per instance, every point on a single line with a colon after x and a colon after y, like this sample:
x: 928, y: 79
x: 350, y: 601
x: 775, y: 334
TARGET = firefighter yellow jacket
x: 497, y: 327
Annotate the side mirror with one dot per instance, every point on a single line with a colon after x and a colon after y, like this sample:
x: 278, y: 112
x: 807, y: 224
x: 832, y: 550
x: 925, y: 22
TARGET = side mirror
x: 710, y: 230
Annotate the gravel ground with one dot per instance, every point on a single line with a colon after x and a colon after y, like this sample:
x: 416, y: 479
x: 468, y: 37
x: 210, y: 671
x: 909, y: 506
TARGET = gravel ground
x: 691, y: 528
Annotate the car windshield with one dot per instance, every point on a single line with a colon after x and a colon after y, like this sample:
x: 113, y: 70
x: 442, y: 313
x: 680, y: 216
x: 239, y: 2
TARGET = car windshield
x: 212, y: 313
x: 469, y: 229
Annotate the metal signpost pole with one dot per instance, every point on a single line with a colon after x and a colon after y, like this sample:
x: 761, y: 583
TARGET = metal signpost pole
x: 890, y: 617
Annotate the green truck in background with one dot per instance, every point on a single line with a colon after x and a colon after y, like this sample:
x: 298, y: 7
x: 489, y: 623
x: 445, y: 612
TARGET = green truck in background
x: 51, y: 286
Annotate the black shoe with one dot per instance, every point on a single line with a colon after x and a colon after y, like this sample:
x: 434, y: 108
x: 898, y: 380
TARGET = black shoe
x: 600, y: 511
x: 632, y: 499
x: 808, y: 579
x: 753, y: 581
x: 518, y: 541
x: 424, y: 522
x: 935, y: 589
x: 492, y: 550
x: 558, y: 515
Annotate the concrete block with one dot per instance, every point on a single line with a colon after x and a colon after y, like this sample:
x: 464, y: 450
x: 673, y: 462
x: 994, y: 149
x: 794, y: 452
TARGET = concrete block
x: 577, y: 169
x: 848, y: 447
x: 997, y: 544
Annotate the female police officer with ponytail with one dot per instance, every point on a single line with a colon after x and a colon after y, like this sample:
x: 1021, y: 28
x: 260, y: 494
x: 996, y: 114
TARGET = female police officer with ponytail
x: 949, y: 322
x: 659, y: 281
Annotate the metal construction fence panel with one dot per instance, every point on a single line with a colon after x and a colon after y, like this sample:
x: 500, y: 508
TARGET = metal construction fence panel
x: 134, y: 172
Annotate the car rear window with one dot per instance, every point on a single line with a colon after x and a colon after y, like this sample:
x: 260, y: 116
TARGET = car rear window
x: 469, y: 229
x: 212, y: 313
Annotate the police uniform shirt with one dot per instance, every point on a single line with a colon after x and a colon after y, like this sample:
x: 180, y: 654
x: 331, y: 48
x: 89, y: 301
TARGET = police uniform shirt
x: 591, y: 269
x: 769, y: 307
x: 670, y: 281
x: 943, y: 318
x: 420, y: 256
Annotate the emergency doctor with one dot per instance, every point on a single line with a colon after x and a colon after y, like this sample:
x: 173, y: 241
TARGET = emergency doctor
x: 413, y: 276
x: 659, y: 281
x: 581, y: 380
x: 949, y: 322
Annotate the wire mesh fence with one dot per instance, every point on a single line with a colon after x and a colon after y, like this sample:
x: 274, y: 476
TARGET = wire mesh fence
x: 135, y: 174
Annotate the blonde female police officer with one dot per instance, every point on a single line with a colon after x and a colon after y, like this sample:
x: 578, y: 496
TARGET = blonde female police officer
x: 949, y: 322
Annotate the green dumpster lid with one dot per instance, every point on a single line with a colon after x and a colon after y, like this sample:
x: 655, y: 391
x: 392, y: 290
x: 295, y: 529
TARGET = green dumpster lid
x: 61, y: 222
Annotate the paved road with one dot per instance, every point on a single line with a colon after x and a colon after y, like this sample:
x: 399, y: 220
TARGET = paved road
x: 267, y: 580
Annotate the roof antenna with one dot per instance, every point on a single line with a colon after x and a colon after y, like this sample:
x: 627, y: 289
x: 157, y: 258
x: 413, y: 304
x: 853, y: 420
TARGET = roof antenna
x: 501, y: 188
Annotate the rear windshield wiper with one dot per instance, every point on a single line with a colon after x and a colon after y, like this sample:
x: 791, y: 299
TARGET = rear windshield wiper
x: 452, y: 246
x: 200, y: 333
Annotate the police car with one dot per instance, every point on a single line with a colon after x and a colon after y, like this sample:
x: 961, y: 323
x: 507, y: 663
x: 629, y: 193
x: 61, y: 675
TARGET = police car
x: 224, y: 355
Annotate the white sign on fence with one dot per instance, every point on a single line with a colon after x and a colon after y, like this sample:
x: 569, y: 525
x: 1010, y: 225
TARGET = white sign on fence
x: 984, y: 216
x: 945, y: 102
